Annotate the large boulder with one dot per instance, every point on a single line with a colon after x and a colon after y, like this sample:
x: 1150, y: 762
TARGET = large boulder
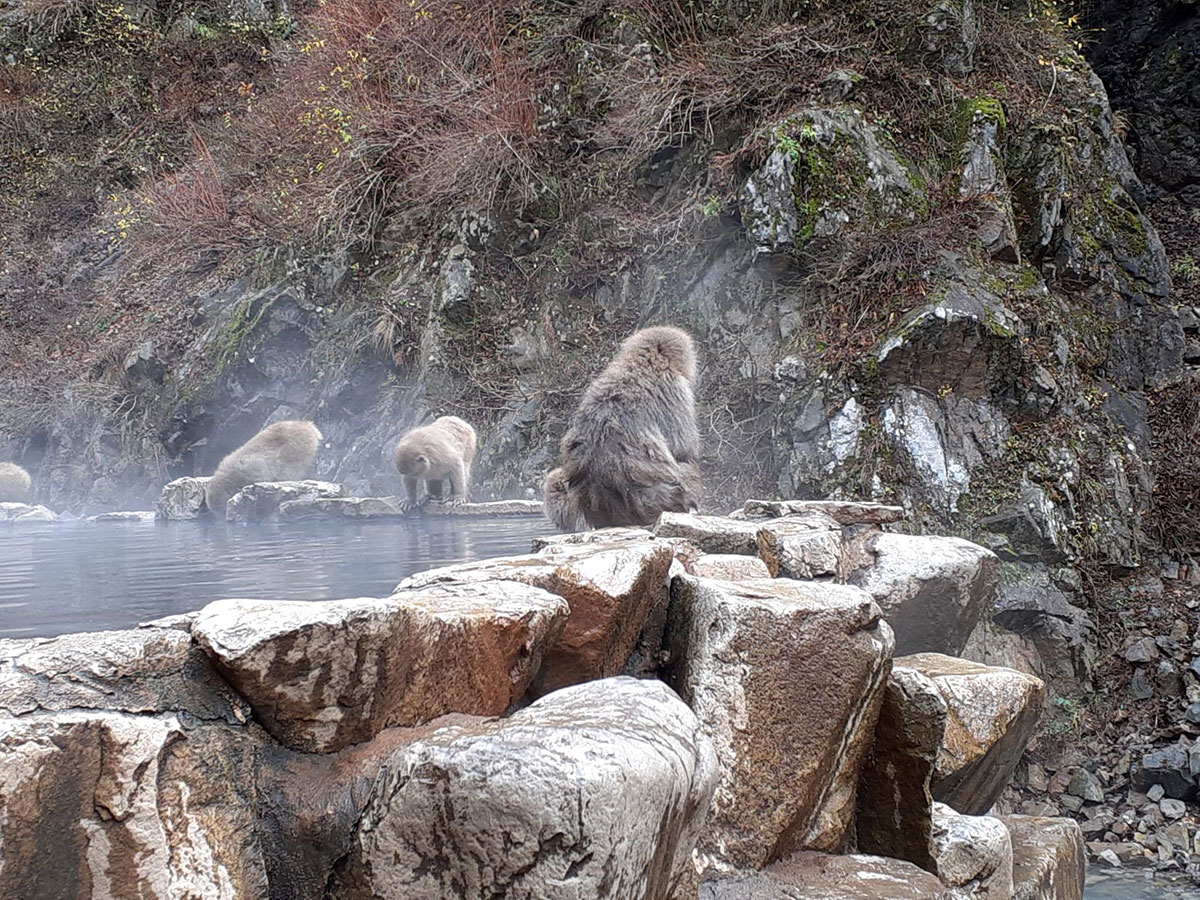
x: 974, y: 854
x: 258, y: 502
x: 182, y: 498
x: 808, y: 546
x: 108, y: 804
x: 597, y: 790
x: 323, y: 675
x: 819, y: 876
x: 612, y: 590
x: 1048, y: 858
x: 895, y: 806
x: 712, y: 534
x: 933, y: 590
x: 143, y: 670
x: 992, y: 715
x: 787, y: 678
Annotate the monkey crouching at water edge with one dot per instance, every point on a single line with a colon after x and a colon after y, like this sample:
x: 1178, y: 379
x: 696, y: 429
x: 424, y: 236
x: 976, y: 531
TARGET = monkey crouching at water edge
x: 281, y: 452
x: 632, y: 448
x: 441, y: 451
x: 14, y: 483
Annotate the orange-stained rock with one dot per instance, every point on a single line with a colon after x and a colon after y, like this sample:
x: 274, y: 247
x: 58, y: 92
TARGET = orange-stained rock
x: 992, y: 715
x: 323, y: 675
x: 611, y: 589
x: 1048, y: 858
x: 787, y: 678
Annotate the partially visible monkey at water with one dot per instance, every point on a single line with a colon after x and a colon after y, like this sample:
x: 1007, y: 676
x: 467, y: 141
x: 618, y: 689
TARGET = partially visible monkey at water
x: 14, y: 483
x: 632, y: 449
x: 441, y: 451
x: 281, y: 452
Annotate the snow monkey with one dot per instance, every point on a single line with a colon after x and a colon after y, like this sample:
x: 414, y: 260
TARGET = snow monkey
x: 632, y: 448
x: 443, y: 449
x: 14, y: 483
x: 281, y: 452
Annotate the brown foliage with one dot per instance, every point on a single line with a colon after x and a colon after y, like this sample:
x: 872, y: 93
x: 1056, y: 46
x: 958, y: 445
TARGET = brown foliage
x: 1175, y: 421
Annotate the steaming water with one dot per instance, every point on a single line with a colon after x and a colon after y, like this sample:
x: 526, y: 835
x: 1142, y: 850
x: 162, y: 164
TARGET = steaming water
x: 57, y: 579
x: 1106, y: 884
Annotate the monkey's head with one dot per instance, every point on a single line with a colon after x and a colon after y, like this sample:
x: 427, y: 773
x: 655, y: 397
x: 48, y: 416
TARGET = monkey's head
x: 412, y: 461
x: 662, y: 350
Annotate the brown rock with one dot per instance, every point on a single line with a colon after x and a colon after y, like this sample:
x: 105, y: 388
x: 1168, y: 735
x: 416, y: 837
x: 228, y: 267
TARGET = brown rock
x: 933, y: 590
x: 323, y: 675
x: 1048, y: 858
x: 712, y: 534
x: 729, y: 567
x: 801, y: 547
x: 612, y: 591
x: 819, y: 876
x: 895, y: 806
x: 993, y: 713
x: 787, y: 678
x: 844, y: 512
x: 108, y: 804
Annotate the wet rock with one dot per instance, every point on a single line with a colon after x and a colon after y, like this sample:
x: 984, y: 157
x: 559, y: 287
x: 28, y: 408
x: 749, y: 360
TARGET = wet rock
x: 486, y: 510
x: 124, y: 516
x: 992, y: 715
x: 144, y: 670
x: 323, y: 675
x: 802, y: 547
x: 1142, y: 650
x: 182, y: 498
x: 787, y: 678
x: 819, y: 876
x: 1169, y: 767
x: 1048, y: 858
x: 729, y: 567
x: 24, y: 513
x: 973, y: 853
x: 932, y: 590
x: 595, y: 790
x: 895, y: 806
x: 712, y: 534
x: 599, y: 536
x: 339, y: 508
x: 258, y: 502
x: 844, y: 512
x: 613, y: 591
x: 101, y: 803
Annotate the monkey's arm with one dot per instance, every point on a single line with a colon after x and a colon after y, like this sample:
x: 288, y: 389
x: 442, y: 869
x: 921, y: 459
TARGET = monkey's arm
x: 410, y: 488
x: 458, y: 483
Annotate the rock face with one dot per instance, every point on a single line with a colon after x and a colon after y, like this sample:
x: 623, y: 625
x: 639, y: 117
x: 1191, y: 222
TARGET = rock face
x: 257, y: 502
x: 895, y: 806
x: 787, y: 678
x: 132, y: 806
x: 612, y: 591
x: 974, y: 854
x: 323, y: 675
x: 597, y: 790
x: 712, y: 534
x: 992, y: 715
x: 818, y: 876
x: 182, y: 498
x: 932, y: 590
x: 1048, y: 858
x: 807, y: 546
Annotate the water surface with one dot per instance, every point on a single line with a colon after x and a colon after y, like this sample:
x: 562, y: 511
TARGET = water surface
x: 1104, y: 883
x: 60, y: 578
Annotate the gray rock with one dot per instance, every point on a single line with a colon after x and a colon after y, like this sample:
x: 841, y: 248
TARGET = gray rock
x: 1169, y: 767
x: 946, y: 36
x: 182, y: 498
x: 712, y: 534
x: 802, y: 547
x: 24, y: 513
x: 973, y: 854
x: 1156, y: 793
x: 1048, y: 858
x: 1140, y: 687
x: 1142, y: 650
x: 1086, y: 786
x: 124, y: 516
x: 596, y: 790
x: 339, y: 508
x: 729, y: 567
x: 818, y: 876
x: 844, y: 512
x: 259, y: 502
x: 1172, y: 809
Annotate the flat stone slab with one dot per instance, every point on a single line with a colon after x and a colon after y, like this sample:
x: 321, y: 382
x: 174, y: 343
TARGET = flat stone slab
x: 323, y: 675
x: 182, y: 498
x: 612, y: 591
x: 339, y: 508
x: 141, y: 515
x: 712, y: 534
x: 490, y: 508
x: 1048, y: 858
x: 992, y: 714
x: 24, y: 513
x: 844, y: 512
x: 809, y: 546
x: 599, y: 536
x: 259, y: 502
x: 787, y: 678
x: 728, y: 567
x: 596, y: 790
x: 820, y: 876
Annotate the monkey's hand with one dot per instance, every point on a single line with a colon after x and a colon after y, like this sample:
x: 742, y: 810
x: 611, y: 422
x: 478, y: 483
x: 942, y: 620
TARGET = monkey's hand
x: 407, y: 505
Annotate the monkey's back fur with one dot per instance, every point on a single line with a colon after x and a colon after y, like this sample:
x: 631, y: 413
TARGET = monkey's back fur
x: 283, y: 451
x: 14, y: 483
x: 632, y: 448
x: 443, y: 449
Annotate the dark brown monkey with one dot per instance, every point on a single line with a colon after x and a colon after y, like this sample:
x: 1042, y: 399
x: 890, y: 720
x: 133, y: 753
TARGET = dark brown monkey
x: 632, y: 449
x: 280, y: 452
x: 441, y: 451
x: 14, y: 483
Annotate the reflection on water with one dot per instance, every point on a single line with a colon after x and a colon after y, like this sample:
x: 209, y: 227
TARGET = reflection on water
x: 1104, y: 883
x: 56, y: 579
